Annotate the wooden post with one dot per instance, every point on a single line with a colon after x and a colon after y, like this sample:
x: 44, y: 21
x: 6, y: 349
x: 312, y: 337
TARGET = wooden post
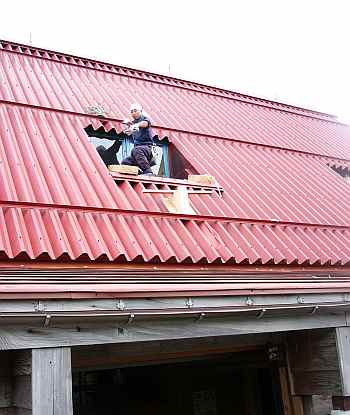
x: 292, y: 405
x: 52, y: 381
x: 285, y: 392
x: 341, y: 402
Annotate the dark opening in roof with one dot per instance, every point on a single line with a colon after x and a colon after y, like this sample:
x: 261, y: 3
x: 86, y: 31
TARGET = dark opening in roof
x: 113, y: 147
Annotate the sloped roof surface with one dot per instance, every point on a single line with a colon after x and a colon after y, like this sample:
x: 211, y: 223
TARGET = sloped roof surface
x: 49, y: 82
x: 282, y: 202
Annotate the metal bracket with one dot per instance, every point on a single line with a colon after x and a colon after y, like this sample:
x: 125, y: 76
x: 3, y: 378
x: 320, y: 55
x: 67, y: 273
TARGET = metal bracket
x: 261, y: 313
x: 130, y: 319
x: 47, y: 320
x: 201, y: 316
x: 313, y: 311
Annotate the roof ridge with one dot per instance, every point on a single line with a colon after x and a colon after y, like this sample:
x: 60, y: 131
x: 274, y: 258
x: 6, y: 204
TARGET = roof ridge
x: 147, y: 75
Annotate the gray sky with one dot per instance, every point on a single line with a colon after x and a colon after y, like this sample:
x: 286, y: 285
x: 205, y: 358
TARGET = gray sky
x: 294, y: 51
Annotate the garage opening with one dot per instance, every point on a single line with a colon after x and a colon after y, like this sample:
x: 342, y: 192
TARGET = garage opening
x: 212, y: 386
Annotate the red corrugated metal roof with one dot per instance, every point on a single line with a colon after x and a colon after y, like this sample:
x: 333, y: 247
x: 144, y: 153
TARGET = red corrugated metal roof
x: 282, y: 204
x: 46, y: 55
x: 55, y: 83
x: 51, y: 233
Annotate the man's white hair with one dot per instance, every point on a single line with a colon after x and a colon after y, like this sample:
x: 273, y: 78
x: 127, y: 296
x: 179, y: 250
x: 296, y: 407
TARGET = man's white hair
x: 136, y: 106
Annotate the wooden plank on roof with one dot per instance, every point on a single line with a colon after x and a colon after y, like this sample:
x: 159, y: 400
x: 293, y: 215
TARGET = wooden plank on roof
x: 123, y: 169
x: 201, y: 179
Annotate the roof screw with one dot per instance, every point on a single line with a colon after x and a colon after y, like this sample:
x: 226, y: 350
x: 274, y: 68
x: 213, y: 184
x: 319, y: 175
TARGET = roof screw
x: 189, y: 302
x: 249, y: 301
x: 120, y: 304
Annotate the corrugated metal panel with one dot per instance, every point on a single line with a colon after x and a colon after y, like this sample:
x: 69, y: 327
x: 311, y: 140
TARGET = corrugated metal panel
x: 264, y: 183
x: 153, y: 77
x: 47, y: 159
x: 51, y: 234
x: 52, y: 83
x: 58, y: 165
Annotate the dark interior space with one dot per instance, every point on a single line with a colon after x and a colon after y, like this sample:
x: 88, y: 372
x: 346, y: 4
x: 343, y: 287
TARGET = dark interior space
x: 202, y: 387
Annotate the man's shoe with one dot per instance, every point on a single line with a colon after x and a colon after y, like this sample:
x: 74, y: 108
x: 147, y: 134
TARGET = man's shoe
x: 147, y: 174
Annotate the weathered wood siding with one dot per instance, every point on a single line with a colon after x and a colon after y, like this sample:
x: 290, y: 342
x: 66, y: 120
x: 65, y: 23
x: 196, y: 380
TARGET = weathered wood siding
x: 314, y: 362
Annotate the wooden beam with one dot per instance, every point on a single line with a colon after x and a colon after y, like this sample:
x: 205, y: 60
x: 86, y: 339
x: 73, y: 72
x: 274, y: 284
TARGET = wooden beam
x: 52, y: 381
x: 118, y: 355
x: 80, y: 333
x: 164, y: 304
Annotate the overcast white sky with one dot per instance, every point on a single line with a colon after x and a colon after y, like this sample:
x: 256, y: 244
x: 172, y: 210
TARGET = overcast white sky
x: 295, y: 51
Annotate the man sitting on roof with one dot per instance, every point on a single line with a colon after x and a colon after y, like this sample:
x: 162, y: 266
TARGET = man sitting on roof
x: 140, y: 129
